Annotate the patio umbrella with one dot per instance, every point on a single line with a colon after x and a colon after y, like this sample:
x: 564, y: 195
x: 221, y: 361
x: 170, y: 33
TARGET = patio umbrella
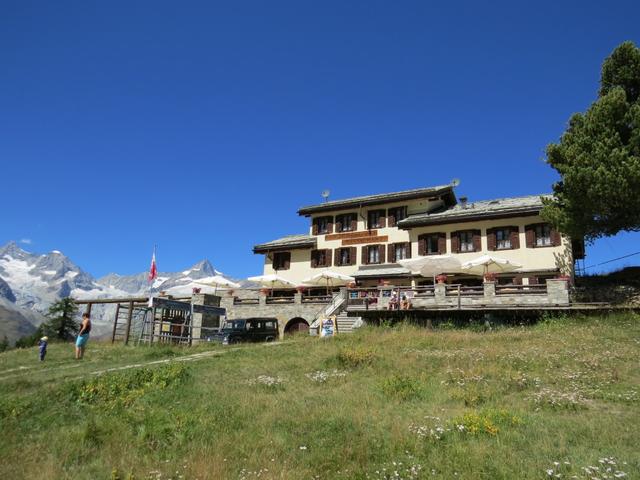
x: 328, y: 277
x: 217, y: 281
x: 488, y: 264
x: 272, y: 281
x: 432, y: 265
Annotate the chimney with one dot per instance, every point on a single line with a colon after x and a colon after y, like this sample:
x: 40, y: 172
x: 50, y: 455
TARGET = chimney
x: 463, y: 202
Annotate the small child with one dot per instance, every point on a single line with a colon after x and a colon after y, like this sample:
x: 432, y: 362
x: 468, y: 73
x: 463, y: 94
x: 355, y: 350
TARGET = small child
x: 43, y: 347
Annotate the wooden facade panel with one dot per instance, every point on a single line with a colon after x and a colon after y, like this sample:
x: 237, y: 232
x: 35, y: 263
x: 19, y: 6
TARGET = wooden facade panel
x: 358, y: 241
x: 350, y: 235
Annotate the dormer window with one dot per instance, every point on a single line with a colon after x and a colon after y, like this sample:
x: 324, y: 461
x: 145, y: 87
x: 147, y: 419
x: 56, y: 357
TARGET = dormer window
x: 281, y: 260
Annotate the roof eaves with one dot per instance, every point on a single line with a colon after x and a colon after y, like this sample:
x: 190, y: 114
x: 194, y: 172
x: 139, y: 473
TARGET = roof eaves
x: 375, y: 199
x: 443, y: 217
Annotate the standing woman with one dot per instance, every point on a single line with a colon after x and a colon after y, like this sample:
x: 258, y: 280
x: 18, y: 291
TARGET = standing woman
x: 83, y: 336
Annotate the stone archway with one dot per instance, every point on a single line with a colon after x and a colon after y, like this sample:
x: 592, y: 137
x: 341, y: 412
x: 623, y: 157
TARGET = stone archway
x: 296, y: 325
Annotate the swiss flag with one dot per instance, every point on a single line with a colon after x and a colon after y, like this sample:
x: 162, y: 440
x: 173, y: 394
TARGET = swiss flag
x: 153, y: 271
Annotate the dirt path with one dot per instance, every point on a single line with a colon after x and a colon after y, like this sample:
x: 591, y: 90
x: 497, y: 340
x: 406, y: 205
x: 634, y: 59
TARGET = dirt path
x: 20, y: 371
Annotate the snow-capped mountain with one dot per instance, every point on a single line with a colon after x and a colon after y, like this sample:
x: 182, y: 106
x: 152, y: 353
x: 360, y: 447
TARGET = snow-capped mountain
x: 30, y: 283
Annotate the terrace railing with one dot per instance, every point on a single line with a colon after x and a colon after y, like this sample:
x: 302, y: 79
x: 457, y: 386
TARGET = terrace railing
x: 535, y: 289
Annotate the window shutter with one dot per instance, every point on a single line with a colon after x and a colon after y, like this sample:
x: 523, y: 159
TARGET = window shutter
x: 556, y: 238
x: 353, y: 251
x: 354, y: 222
x: 408, y: 246
x: 422, y: 245
x: 530, y: 235
x: 314, y: 258
x: 383, y: 220
x: 391, y: 218
x: 455, y: 242
x: 314, y: 227
x: 517, y: 280
x: 330, y: 225
x: 477, y: 245
x: 442, y: 243
x: 338, y: 224
x: 365, y: 255
x: 392, y: 252
x: 514, y: 236
x: 381, y: 253
x: 491, y: 239
x: 327, y: 258
x: 336, y: 257
x: 287, y: 261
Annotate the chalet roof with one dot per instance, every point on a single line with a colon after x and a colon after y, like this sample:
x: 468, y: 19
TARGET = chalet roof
x: 390, y: 270
x: 290, y: 241
x: 484, y: 209
x: 379, y: 199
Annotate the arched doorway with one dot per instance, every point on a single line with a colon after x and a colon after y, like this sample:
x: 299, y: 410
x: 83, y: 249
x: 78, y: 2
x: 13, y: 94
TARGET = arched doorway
x: 296, y: 325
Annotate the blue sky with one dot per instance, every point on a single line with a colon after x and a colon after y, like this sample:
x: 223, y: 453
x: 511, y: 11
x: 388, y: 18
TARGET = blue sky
x: 203, y: 126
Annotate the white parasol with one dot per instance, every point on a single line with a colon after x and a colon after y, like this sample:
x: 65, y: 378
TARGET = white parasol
x: 488, y: 264
x: 217, y: 281
x: 328, y: 278
x: 272, y: 281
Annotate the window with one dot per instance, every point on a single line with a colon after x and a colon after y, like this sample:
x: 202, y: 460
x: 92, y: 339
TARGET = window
x: 396, y: 214
x: 322, y: 225
x: 401, y: 251
x: 466, y: 241
x: 345, y: 256
x: 346, y: 222
x: 373, y: 254
x: 431, y: 245
x: 543, y: 235
x: 320, y: 258
x: 503, y: 239
x: 281, y: 260
x: 375, y: 219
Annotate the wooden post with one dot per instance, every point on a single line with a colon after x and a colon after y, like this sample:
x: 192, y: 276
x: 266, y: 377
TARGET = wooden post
x: 115, y: 323
x: 88, y: 309
x: 459, y: 303
x: 153, y: 325
x: 129, y: 317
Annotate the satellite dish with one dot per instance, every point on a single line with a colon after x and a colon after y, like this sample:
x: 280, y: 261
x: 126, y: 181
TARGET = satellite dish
x: 455, y: 182
x: 325, y: 194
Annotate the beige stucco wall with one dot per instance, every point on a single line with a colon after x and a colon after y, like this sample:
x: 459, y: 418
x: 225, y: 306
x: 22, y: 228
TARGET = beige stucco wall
x: 532, y: 259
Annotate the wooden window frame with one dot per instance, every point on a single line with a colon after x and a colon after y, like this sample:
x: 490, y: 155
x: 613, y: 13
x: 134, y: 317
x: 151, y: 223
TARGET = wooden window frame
x: 381, y: 219
x: 286, y: 262
x: 340, y: 222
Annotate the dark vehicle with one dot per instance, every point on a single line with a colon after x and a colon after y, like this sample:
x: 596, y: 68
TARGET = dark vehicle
x: 248, y: 330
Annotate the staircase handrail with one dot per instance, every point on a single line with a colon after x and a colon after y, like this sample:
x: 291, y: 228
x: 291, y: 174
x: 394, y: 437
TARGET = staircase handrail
x: 336, y: 302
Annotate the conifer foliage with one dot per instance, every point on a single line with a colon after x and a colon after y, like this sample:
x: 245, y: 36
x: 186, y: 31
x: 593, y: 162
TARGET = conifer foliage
x: 598, y: 157
x: 61, y: 323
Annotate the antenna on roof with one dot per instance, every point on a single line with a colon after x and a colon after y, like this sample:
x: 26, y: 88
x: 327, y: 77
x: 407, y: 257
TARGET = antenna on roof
x: 325, y: 194
x: 455, y: 182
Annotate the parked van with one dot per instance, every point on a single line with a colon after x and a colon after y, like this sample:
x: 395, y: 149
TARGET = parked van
x: 248, y: 330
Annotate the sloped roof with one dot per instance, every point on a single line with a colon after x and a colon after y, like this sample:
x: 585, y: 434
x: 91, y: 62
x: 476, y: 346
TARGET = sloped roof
x: 501, y: 207
x: 290, y: 241
x: 390, y: 270
x: 378, y: 199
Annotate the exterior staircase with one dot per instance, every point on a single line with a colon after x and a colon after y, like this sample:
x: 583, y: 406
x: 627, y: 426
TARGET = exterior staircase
x: 347, y: 324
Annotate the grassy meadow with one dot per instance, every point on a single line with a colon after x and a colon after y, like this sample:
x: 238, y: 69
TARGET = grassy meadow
x: 559, y: 399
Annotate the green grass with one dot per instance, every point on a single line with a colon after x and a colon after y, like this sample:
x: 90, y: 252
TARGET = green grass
x: 505, y: 404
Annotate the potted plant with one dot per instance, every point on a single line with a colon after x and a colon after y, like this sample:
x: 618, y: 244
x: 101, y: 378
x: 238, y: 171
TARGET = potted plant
x: 230, y: 292
x: 441, y: 278
x: 490, y: 277
x: 264, y: 291
x: 300, y: 289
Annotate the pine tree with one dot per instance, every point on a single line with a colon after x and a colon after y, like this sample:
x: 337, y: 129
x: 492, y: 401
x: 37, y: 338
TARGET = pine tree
x: 61, y: 323
x: 598, y: 157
